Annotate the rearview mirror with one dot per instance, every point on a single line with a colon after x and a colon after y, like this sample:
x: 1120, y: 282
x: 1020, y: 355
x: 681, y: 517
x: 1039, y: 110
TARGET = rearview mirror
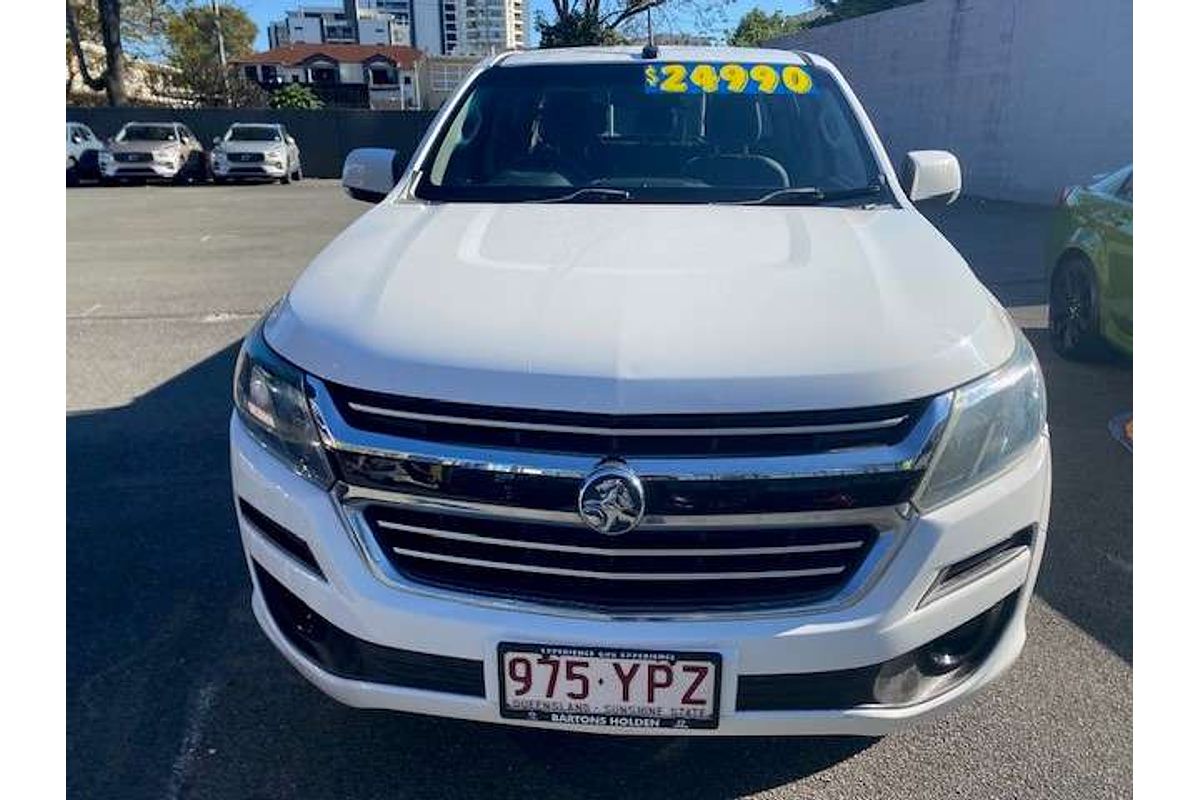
x: 931, y: 174
x: 369, y: 173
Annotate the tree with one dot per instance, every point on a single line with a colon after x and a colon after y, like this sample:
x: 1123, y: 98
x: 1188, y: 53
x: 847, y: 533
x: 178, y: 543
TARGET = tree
x: 112, y: 80
x: 141, y: 26
x: 295, y: 95
x: 756, y: 27
x: 195, y: 37
x: 578, y: 23
x: 575, y: 28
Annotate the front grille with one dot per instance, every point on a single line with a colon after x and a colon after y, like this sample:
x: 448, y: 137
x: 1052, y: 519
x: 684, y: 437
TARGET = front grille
x: 245, y: 158
x: 133, y: 158
x: 662, y: 569
x: 741, y: 511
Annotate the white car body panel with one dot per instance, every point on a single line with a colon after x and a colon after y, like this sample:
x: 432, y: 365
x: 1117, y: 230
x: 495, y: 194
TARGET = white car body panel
x: 643, y: 308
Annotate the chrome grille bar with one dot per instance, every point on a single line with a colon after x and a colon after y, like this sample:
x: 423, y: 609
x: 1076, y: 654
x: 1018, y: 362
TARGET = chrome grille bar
x: 619, y: 576
x: 417, y: 416
x: 665, y: 552
x: 881, y: 517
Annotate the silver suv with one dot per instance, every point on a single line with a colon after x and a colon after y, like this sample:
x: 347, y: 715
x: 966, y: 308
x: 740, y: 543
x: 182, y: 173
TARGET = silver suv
x: 256, y: 151
x: 154, y: 150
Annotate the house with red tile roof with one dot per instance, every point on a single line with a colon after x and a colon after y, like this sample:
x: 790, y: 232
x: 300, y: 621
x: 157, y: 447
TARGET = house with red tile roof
x: 343, y: 75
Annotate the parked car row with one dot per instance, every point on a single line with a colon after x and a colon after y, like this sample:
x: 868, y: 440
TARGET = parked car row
x: 170, y: 151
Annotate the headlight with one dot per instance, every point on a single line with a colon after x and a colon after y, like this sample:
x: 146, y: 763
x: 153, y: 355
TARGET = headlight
x: 993, y: 421
x: 105, y: 156
x: 270, y: 397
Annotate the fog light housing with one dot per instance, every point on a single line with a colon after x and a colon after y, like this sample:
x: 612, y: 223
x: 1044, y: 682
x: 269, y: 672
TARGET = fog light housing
x: 938, y: 666
x: 948, y: 653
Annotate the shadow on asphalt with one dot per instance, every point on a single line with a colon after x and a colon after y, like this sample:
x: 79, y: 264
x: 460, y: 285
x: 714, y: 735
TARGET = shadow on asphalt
x: 153, y: 566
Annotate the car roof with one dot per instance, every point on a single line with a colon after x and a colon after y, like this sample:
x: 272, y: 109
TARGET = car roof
x: 666, y: 53
x: 157, y: 124
x: 254, y: 125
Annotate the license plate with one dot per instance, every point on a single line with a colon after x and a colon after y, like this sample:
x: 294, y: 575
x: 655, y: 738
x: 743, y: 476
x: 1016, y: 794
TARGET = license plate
x: 609, y: 687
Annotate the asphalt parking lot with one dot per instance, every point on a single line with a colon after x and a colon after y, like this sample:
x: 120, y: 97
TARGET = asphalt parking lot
x: 174, y: 693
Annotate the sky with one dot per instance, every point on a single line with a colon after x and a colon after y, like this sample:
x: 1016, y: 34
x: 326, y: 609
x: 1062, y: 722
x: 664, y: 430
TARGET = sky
x: 264, y: 11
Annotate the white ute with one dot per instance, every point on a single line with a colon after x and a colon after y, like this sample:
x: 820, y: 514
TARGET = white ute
x: 644, y: 401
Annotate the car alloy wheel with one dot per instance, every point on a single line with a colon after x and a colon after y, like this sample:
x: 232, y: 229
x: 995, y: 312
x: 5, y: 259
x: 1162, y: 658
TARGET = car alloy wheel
x: 1073, y: 308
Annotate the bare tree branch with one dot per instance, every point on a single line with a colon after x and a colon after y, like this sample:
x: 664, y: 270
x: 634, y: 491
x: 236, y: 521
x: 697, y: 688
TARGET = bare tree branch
x: 635, y: 7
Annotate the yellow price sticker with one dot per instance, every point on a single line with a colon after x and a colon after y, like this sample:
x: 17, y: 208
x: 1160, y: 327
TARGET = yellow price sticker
x: 728, y: 78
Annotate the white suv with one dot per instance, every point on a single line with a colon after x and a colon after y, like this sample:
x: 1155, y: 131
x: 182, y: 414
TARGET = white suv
x: 644, y: 402
x: 256, y: 150
x: 83, y: 153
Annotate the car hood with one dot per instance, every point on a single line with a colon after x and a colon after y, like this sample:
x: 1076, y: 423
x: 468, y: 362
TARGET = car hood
x: 643, y: 308
x: 142, y: 147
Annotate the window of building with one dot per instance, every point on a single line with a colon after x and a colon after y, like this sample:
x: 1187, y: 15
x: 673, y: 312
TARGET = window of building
x: 251, y: 72
x: 324, y: 75
x: 382, y: 76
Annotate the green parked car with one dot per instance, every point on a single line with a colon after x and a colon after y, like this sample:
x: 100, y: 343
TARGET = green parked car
x: 1091, y: 267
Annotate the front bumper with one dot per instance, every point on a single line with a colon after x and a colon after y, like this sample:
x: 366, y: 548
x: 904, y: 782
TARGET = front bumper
x: 882, y: 624
x: 139, y: 169
x: 264, y: 169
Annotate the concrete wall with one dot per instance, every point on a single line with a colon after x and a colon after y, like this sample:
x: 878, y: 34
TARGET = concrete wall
x: 1031, y: 95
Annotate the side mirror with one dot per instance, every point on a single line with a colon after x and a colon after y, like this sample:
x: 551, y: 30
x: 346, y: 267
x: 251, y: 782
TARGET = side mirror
x: 76, y: 138
x: 931, y: 173
x: 369, y: 173
x: 216, y: 140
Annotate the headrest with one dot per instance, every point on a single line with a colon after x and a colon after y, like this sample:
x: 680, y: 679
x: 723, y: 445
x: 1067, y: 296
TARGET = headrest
x: 732, y: 121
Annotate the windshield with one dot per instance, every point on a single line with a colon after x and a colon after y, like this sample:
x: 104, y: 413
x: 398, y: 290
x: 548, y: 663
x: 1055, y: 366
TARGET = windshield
x: 146, y: 133
x: 677, y: 133
x: 245, y: 133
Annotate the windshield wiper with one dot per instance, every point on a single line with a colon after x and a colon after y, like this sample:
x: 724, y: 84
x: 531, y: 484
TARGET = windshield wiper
x: 810, y: 195
x: 596, y: 193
